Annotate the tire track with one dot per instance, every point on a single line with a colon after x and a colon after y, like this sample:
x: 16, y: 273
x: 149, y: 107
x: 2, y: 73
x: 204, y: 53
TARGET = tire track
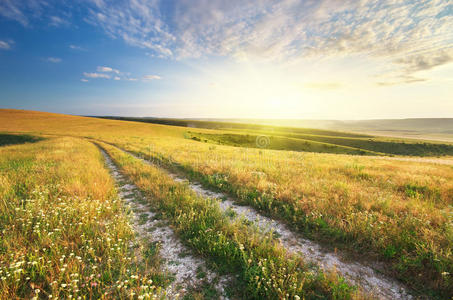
x: 179, y: 260
x: 366, y: 277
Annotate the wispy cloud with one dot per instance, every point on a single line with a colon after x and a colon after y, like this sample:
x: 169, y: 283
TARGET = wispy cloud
x: 5, y: 45
x: 410, y: 36
x: 426, y: 61
x: 22, y: 10
x: 115, y: 74
x: 84, y: 80
x: 401, y: 33
x: 402, y: 79
x: 58, y: 21
x: 54, y: 60
x: 75, y: 47
x: 96, y: 75
x: 138, y: 22
x: 107, y: 69
x: 151, y: 77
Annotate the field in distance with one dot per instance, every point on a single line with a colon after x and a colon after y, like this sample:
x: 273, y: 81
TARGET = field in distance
x: 304, y: 139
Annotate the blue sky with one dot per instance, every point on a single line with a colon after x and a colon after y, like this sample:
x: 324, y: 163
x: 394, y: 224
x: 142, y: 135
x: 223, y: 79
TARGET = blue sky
x: 323, y: 59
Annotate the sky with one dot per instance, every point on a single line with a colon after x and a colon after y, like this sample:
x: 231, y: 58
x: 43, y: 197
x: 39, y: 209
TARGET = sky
x: 302, y: 59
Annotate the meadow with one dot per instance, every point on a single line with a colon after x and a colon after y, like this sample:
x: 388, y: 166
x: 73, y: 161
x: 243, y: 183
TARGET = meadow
x: 64, y: 232
x: 395, y: 214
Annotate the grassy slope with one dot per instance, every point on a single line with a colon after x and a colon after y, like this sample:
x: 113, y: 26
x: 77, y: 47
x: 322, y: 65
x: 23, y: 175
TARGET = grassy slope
x: 304, y: 139
x: 238, y: 126
x: 398, y: 211
x: 276, y: 142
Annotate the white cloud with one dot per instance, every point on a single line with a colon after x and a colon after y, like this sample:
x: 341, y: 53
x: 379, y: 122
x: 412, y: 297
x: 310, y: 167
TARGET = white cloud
x: 75, y: 47
x: 58, y: 21
x: 426, y: 61
x: 23, y: 11
x: 10, y: 9
x: 151, y: 77
x: 282, y: 30
x: 96, y: 75
x: 138, y: 22
x: 108, y: 69
x: 400, y: 79
x: 408, y: 35
x: 54, y: 60
x: 84, y: 80
x: 114, y: 74
x: 5, y: 45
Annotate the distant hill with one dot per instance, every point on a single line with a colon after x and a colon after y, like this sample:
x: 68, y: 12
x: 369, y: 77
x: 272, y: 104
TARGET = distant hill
x: 426, y: 125
x: 421, y: 125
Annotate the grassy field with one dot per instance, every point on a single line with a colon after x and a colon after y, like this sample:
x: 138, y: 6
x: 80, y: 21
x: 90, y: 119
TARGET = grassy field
x: 64, y: 233
x: 396, y: 212
x: 438, y: 129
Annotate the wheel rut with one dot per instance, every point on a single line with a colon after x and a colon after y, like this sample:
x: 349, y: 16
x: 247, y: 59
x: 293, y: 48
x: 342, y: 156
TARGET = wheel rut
x: 179, y: 260
x: 367, y: 277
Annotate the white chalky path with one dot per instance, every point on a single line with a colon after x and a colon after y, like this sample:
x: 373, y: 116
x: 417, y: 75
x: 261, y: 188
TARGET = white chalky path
x: 178, y: 259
